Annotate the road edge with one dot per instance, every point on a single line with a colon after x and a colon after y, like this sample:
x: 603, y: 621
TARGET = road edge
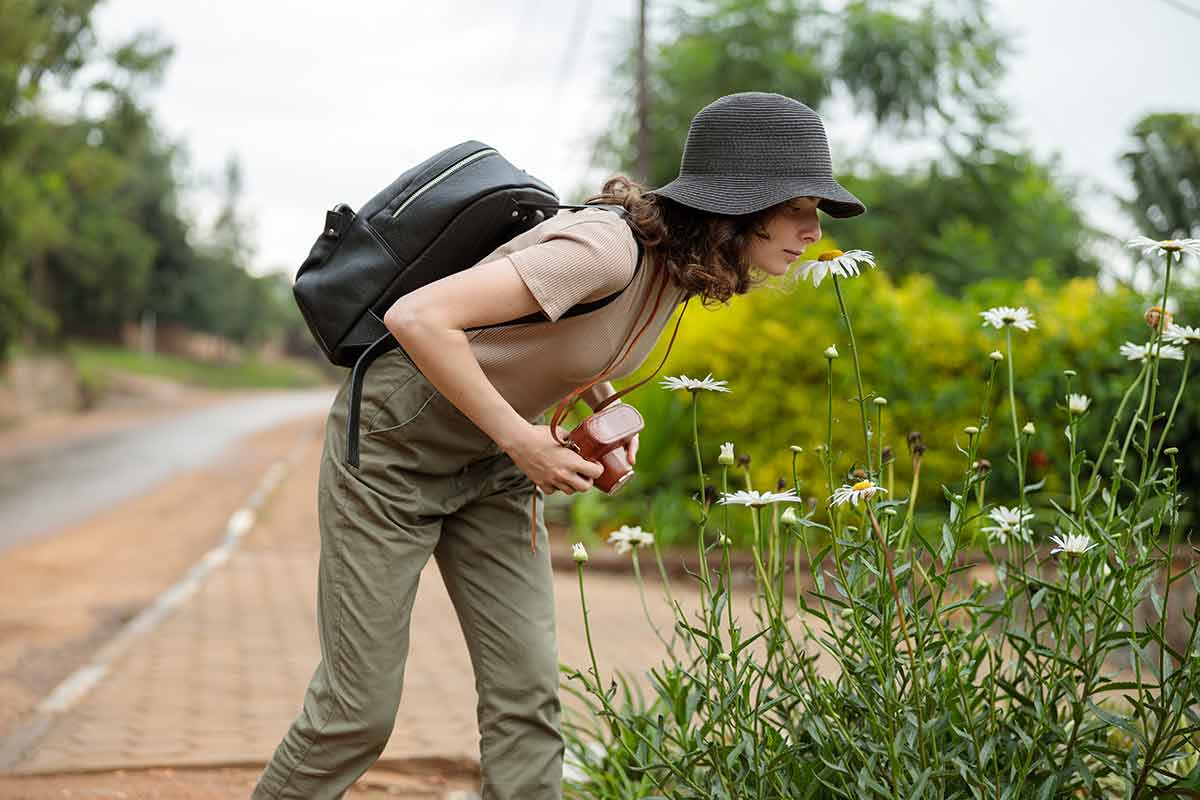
x: 79, y: 683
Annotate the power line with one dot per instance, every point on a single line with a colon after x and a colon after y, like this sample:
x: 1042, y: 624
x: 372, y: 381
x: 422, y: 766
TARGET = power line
x: 1184, y: 8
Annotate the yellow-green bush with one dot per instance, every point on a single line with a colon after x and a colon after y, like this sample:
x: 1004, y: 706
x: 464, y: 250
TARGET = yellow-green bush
x: 927, y: 353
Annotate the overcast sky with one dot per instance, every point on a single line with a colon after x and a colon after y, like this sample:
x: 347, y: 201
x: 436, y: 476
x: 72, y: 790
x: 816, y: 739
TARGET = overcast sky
x: 327, y: 102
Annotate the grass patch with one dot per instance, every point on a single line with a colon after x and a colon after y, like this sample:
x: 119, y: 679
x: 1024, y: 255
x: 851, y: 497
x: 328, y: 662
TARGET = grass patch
x: 96, y: 362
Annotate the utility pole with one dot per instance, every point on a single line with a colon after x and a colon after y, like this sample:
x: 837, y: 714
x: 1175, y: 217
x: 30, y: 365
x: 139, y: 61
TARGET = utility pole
x: 642, y: 101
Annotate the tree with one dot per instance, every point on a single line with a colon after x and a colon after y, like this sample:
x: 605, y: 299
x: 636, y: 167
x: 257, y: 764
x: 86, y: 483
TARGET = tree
x: 907, y: 71
x: 41, y: 38
x: 1164, y: 168
x: 985, y: 208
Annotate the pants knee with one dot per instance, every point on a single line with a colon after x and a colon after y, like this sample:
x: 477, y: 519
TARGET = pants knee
x: 376, y: 727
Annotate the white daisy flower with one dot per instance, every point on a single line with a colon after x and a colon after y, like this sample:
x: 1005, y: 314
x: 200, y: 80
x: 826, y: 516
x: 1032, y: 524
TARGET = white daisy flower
x: 684, y: 382
x: 755, y: 499
x: 1181, y: 334
x: 626, y: 538
x: 1009, y: 522
x: 1078, y: 403
x: 726, y: 456
x: 861, y: 490
x: 579, y: 553
x: 844, y: 265
x: 1000, y: 316
x: 1073, y: 544
x: 1176, y: 246
x: 1140, y: 352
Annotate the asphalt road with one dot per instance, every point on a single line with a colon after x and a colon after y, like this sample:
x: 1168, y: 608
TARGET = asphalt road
x: 44, y: 490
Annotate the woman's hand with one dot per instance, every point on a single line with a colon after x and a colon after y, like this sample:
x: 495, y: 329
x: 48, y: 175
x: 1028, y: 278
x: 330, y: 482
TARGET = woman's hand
x: 631, y: 449
x: 550, y: 465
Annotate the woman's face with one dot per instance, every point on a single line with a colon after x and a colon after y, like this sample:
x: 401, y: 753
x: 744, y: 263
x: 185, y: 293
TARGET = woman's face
x: 793, y: 228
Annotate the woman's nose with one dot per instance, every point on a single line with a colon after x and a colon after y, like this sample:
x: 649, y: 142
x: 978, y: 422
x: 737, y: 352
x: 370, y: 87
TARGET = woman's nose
x: 811, y: 233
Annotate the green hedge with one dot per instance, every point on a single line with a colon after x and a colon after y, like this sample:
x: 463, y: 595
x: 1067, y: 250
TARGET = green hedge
x: 927, y: 353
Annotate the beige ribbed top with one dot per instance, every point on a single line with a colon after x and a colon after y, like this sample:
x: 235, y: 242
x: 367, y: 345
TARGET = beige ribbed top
x: 572, y: 257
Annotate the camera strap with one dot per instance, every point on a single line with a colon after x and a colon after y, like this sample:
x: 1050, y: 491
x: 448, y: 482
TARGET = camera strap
x: 567, y: 402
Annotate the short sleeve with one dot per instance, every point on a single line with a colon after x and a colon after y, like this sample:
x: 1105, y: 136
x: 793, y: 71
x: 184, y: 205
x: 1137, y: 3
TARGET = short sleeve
x: 584, y: 260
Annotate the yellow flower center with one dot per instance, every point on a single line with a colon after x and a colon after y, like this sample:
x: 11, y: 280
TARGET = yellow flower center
x: 858, y: 487
x: 1171, y: 245
x: 830, y: 255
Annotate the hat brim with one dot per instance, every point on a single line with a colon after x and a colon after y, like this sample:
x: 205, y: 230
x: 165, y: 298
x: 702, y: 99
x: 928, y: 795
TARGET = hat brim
x: 745, y: 194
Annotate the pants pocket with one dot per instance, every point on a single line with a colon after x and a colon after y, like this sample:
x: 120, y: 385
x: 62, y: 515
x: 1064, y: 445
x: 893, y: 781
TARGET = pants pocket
x: 397, y: 396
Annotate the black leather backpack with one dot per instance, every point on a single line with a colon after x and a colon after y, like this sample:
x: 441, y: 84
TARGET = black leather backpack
x: 440, y: 217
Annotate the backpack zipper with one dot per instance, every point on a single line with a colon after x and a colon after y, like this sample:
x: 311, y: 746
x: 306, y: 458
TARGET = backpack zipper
x: 442, y: 175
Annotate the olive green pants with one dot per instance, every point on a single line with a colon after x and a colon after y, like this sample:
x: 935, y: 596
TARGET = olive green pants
x: 430, y: 482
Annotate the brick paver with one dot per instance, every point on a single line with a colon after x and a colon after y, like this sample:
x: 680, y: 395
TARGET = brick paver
x: 220, y: 680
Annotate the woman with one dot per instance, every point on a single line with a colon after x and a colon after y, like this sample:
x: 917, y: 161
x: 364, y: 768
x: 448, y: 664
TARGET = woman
x: 452, y: 448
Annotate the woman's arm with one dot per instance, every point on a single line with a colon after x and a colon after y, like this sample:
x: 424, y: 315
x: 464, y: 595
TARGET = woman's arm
x: 445, y: 357
x: 430, y: 321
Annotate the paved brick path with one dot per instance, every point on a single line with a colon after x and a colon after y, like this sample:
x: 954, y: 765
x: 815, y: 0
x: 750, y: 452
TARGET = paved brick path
x: 221, y: 679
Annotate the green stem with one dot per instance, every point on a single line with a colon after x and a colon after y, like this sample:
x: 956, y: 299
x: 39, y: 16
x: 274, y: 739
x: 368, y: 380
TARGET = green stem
x: 1187, y: 361
x: 1094, y: 479
x: 1156, y: 348
x: 703, y: 513
x: 862, y: 400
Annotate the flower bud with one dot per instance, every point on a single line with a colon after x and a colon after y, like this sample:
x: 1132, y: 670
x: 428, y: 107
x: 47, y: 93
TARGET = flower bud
x: 1155, y: 313
x: 1070, y: 373
x: 880, y: 401
x: 726, y: 456
x: 796, y: 448
x: 970, y: 430
x: 579, y: 553
x: 743, y: 461
x: 996, y: 355
x: 788, y: 517
x: 831, y: 352
x: 1170, y: 451
x: 1028, y: 429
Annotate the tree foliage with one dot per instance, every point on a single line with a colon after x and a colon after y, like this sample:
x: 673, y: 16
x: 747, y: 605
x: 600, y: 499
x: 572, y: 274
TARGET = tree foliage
x: 92, y: 230
x: 1164, y: 167
x: 982, y: 208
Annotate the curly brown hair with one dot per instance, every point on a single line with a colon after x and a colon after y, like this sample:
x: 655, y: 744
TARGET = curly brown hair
x: 704, y: 253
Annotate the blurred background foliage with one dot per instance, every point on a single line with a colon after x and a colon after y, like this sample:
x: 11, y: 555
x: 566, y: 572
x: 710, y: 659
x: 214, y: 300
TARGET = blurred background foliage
x: 924, y: 351
x: 94, y: 236
x: 981, y: 222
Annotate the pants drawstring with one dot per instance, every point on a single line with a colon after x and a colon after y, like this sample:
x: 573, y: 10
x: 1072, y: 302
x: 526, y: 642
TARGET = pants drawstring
x: 533, y: 520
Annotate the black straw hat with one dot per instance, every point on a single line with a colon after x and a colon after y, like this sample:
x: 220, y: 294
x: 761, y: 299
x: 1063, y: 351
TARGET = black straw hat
x: 750, y: 150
